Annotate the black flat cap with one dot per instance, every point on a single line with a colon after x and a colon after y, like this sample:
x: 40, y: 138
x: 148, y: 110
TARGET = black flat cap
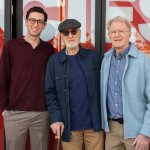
x: 68, y: 24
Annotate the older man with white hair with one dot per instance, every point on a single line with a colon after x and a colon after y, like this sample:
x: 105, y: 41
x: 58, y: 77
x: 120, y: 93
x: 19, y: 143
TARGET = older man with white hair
x: 125, y: 91
x: 72, y: 92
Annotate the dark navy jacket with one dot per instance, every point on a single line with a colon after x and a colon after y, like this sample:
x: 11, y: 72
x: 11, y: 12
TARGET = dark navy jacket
x: 57, y: 88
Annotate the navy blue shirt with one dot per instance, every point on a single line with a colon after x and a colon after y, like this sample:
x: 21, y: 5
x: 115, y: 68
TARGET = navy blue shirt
x: 114, y: 95
x: 79, y: 100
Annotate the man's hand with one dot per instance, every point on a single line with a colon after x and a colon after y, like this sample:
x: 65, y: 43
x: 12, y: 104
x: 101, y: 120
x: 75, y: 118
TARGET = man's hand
x: 3, y: 113
x: 57, y: 128
x: 141, y: 142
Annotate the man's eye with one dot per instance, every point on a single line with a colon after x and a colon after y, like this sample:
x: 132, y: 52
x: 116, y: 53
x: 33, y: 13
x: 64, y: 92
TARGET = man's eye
x: 120, y: 31
x: 40, y: 21
x: 113, y: 32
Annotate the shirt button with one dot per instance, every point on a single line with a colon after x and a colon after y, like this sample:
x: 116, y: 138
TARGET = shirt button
x: 65, y: 76
x: 116, y: 82
x: 116, y: 105
x: 118, y: 61
x: 117, y: 71
x: 65, y: 91
x: 116, y: 94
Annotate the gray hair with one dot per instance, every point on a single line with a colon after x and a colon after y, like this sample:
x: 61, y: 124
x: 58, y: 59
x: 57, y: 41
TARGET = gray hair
x: 120, y: 19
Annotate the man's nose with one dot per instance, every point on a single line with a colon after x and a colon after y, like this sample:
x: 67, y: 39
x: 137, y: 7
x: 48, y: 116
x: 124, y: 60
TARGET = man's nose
x: 36, y: 23
x: 117, y: 33
x: 70, y: 34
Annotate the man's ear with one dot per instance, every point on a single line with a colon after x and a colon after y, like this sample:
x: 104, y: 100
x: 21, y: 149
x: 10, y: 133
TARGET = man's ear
x: 26, y: 22
x: 61, y: 34
x: 130, y: 34
x: 109, y: 35
x: 45, y: 25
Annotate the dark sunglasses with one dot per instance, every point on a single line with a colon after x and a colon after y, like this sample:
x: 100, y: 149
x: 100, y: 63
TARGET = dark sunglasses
x: 73, y: 32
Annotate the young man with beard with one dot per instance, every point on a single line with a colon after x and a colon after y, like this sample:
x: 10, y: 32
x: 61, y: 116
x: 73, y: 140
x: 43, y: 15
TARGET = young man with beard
x: 22, y: 72
x: 72, y: 92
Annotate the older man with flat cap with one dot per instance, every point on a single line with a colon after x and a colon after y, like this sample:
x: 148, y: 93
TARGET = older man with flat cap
x: 72, y: 92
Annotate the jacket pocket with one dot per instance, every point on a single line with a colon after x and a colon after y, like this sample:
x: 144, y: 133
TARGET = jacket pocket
x: 58, y: 80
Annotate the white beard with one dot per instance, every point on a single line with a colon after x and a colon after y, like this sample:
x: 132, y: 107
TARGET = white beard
x: 72, y: 45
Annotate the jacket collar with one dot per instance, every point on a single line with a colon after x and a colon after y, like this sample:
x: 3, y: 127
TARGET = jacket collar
x: 133, y: 51
x: 63, y: 57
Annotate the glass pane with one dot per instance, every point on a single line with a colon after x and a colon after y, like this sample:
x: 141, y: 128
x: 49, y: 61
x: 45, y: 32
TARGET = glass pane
x: 59, y: 10
x: 137, y: 11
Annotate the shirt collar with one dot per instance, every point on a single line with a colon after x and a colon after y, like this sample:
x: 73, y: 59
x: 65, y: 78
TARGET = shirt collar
x: 123, y: 53
x: 22, y: 40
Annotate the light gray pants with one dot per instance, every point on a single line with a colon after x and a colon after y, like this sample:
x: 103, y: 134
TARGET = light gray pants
x: 17, y: 124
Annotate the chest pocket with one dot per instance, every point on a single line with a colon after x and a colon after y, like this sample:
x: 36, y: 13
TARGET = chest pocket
x: 58, y: 81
